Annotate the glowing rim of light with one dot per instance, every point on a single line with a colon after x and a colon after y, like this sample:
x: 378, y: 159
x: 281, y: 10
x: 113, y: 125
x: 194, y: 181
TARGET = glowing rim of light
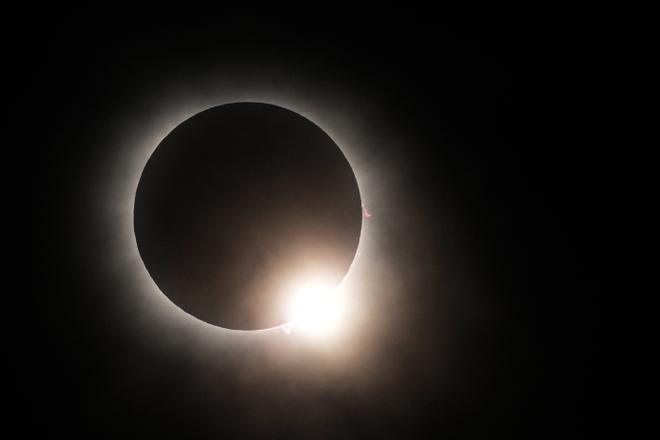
x: 297, y: 323
x: 144, y: 148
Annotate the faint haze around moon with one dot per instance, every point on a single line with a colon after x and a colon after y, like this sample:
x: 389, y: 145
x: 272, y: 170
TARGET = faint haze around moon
x: 238, y: 203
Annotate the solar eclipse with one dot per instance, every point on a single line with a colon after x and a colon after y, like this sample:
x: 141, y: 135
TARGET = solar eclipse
x: 240, y: 202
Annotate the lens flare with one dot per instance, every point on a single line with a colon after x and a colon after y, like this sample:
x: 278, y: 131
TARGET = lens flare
x: 315, y: 308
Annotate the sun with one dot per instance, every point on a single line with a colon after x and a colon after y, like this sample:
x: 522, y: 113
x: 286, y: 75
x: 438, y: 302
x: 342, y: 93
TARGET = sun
x: 315, y: 308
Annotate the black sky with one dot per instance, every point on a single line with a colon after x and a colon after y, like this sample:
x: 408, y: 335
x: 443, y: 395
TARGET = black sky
x: 523, y: 179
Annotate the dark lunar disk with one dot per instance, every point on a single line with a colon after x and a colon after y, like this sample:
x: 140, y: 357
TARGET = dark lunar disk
x: 240, y: 202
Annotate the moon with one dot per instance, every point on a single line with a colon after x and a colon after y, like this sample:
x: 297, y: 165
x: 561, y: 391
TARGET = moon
x: 239, y: 203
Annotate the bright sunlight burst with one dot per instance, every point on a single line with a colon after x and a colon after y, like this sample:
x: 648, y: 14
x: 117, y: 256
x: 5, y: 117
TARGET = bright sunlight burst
x: 316, y: 308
